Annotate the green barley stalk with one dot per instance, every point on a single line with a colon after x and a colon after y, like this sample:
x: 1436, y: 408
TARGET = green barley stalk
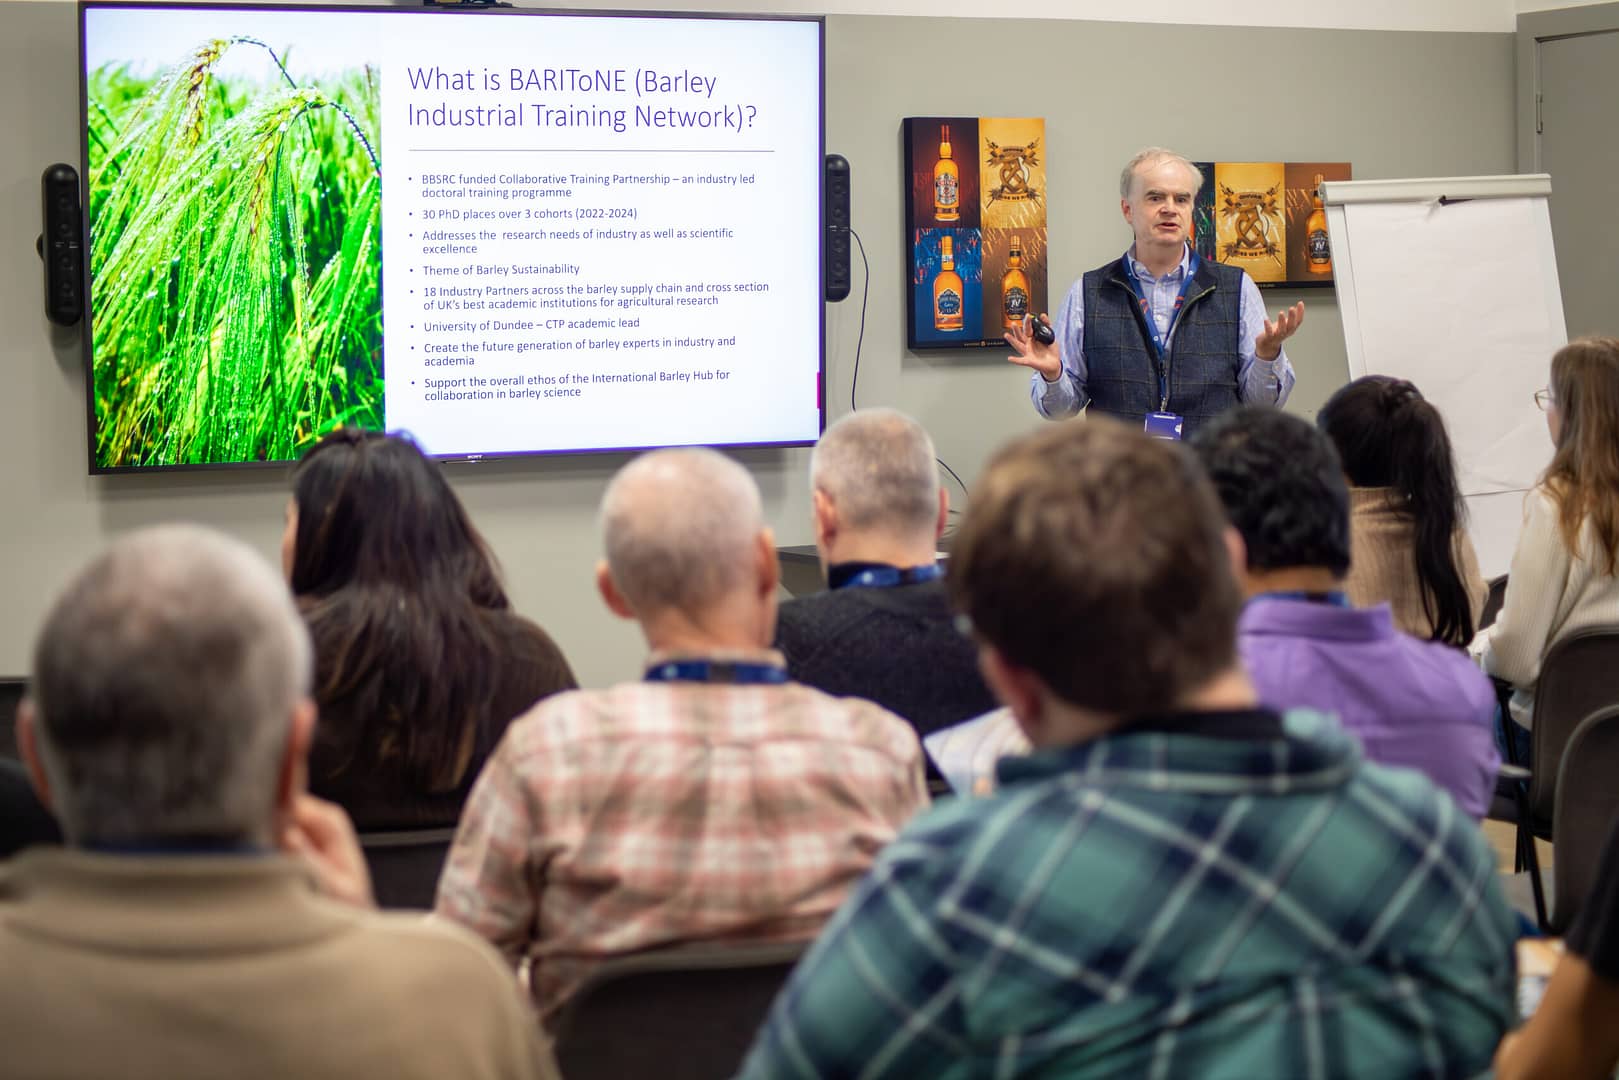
x: 235, y: 255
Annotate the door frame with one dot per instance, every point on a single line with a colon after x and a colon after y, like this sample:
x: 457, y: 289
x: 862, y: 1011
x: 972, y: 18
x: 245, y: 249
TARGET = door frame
x: 1533, y: 28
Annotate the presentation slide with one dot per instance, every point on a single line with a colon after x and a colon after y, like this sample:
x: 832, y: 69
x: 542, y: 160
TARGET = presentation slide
x: 502, y: 233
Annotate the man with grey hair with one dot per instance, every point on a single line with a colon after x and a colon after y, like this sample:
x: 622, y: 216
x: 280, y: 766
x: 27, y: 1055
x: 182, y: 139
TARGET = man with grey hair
x: 713, y: 799
x: 1160, y: 337
x: 883, y: 629
x: 167, y: 726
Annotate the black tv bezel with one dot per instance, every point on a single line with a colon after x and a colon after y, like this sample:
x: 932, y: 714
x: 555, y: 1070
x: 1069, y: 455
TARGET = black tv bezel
x: 426, y: 10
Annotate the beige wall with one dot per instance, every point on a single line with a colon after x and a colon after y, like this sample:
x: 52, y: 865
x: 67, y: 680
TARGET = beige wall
x: 1393, y: 103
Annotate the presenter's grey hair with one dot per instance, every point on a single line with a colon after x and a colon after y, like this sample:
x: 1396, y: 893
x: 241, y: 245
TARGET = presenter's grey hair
x: 165, y: 678
x: 878, y: 468
x: 680, y: 528
x: 1153, y: 155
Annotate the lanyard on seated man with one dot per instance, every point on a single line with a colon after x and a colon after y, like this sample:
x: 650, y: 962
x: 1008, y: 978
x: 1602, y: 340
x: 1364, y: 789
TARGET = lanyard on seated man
x: 1335, y: 598
x: 735, y: 672
x: 877, y: 576
x: 1162, y: 424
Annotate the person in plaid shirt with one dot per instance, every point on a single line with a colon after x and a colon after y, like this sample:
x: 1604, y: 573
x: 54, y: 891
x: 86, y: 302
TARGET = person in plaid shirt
x: 713, y: 800
x: 1176, y: 882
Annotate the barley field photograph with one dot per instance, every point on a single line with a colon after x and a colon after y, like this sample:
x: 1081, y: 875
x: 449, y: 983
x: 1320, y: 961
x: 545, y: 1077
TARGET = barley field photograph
x: 234, y: 204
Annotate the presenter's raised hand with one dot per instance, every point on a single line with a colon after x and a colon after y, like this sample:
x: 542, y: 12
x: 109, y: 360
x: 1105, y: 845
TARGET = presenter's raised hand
x: 1029, y: 353
x: 1268, y: 345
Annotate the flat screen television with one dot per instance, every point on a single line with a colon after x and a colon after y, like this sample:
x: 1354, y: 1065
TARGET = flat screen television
x: 505, y: 232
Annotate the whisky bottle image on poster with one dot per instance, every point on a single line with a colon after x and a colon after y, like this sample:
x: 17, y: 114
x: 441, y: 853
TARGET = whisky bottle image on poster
x: 1317, y: 251
x: 1014, y: 286
x: 946, y: 180
x: 947, y: 296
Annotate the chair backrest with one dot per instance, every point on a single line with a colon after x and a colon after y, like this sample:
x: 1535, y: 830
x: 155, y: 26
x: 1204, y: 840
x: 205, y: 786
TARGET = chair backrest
x: 1587, y: 805
x: 405, y: 865
x: 1579, y: 675
x: 1493, y: 601
x: 24, y: 821
x: 11, y: 692
x: 688, y: 1013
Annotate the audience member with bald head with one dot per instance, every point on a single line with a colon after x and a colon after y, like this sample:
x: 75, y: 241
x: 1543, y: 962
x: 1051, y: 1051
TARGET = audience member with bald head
x: 687, y: 551
x: 712, y: 800
x: 883, y: 629
x: 167, y: 726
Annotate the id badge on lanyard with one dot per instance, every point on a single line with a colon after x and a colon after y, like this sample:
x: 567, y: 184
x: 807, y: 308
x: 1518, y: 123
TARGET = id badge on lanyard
x: 1162, y: 424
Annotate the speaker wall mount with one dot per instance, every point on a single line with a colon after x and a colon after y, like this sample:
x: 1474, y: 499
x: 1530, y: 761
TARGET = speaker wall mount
x: 835, y: 244
x: 61, y: 246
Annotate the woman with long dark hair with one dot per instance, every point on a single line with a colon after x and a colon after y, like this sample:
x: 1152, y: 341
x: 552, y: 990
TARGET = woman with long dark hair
x: 1563, y: 570
x: 420, y: 663
x: 1408, y: 538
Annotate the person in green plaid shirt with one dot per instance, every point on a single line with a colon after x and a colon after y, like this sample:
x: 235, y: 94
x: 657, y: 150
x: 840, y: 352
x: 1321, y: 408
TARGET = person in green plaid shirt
x: 1176, y: 882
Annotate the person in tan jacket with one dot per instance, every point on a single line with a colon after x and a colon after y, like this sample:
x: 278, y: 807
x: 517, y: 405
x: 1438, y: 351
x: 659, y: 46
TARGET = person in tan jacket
x: 207, y: 918
x: 1408, y: 543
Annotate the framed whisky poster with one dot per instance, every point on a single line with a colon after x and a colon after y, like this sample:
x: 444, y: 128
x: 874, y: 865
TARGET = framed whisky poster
x: 975, y: 238
x: 1266, y: 217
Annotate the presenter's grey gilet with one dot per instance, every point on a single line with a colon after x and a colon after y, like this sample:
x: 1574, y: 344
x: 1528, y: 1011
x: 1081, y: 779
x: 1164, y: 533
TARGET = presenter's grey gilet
x: 1204, y: 353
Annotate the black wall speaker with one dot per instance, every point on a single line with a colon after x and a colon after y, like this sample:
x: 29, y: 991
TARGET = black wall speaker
x: 62, y: 246
x: 836, y: 254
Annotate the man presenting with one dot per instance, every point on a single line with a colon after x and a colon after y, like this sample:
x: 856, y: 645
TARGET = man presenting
x: 1161, y: 336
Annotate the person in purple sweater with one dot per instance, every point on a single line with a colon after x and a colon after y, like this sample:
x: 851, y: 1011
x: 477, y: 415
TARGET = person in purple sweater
x: 1420, y: 704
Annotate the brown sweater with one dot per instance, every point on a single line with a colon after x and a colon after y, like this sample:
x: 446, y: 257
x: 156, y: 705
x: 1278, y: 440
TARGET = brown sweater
x: 186, y: 967
x: 526, y: 665
x: 1383, y: 562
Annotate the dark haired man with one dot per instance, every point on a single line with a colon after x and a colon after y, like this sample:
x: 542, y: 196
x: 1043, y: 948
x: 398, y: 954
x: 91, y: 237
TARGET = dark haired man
x: 1421, y: 704
x: 1177, y: 882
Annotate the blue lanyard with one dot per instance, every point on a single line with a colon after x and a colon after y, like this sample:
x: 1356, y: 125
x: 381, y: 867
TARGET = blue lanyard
x: 738, y: 672
x: 1335, y: 598
x: 884, y: 577
x: 1160, y: 342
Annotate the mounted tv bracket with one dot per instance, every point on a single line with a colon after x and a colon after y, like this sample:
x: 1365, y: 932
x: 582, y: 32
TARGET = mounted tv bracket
x: 61, y: 245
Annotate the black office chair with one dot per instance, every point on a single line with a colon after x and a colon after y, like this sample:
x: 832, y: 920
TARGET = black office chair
x: 11, y: 692
x: 687, y: 1013
x: 1579, y: 675
x: 24, y: 821
x: 1493, y: 601
x: 405, y: 866
x: 1587, y: 805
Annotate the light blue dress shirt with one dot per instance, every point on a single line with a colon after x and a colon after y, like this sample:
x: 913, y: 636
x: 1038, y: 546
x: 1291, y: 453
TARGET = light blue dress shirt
x: 1263, y: 382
